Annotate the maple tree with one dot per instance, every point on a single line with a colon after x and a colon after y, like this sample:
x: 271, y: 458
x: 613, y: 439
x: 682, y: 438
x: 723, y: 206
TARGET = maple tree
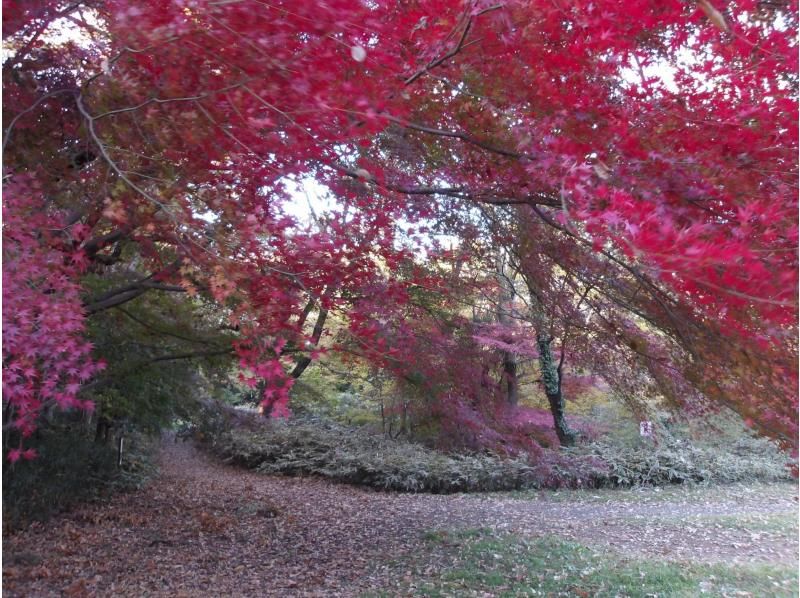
x: 643, y: 155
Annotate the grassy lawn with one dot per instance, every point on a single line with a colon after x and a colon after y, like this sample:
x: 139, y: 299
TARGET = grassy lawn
x: 784, y: 524
x: 486, y: 563
x: 652, y: 494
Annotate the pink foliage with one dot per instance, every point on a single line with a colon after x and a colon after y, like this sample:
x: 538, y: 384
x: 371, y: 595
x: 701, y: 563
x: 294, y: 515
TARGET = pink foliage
x: 45, y: 357
x: 684, y: 190
x: 513, y: 338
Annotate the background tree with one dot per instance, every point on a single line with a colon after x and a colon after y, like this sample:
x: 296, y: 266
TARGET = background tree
x: 176, y: 129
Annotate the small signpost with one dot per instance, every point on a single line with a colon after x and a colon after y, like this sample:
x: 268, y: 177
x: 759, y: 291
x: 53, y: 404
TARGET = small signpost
x: 646, y: 428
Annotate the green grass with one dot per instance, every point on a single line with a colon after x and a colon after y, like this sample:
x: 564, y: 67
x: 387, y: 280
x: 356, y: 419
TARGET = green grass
x: 485, y: 563
x: 779, y: 523
x: 652, y: 494
x: 602, y: 495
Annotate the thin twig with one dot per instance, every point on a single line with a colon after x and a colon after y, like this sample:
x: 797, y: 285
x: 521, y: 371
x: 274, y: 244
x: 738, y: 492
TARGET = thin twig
x: 455, y: 50
x: 30, y: 108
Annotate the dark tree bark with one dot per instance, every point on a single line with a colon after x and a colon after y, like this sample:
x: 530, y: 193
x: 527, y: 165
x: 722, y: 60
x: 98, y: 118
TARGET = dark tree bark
x: 551, y: 378
x: 304, y: 361
x: 103, y: 430
x: 510, y: 378
x: 131, y: 291
x: 505, y: 305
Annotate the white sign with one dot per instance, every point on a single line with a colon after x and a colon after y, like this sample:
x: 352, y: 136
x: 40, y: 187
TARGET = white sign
x: 645, y: 428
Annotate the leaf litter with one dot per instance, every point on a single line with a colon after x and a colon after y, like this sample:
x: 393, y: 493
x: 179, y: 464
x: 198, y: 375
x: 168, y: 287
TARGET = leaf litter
x: 207, y: 529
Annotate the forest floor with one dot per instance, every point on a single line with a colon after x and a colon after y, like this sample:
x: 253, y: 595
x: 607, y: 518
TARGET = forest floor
x: 202, y: 528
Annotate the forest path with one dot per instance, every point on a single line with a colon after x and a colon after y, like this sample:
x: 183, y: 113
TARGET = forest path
x: 206, y: 529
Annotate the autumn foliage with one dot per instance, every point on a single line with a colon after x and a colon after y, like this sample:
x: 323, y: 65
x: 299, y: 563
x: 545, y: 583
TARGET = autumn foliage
x: 637, y: 161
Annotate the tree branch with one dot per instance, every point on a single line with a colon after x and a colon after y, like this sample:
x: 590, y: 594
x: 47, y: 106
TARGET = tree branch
x: 161, y: 330
x: 191, y: 355
x: 655, y: 292
x: 466, y: 138
x: 92, y: 246
x: 107, y: 380
x: 131, y: 291
x: 455, y: 50
x: 305, y: 361
x: 44, y: 98
x: 486, y: 197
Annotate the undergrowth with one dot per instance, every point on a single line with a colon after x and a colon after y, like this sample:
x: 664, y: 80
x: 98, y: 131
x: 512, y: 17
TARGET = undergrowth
x: 311, y: 446
x: 676, y: 460
x: 346, y: 455
x: 70, y: 469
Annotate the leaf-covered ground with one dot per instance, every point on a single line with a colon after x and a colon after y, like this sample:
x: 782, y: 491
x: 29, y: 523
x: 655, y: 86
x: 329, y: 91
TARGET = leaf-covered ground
x: 206, y: 529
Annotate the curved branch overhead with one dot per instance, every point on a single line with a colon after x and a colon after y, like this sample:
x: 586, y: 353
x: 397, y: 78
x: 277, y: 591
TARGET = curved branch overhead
x: 637, y: 161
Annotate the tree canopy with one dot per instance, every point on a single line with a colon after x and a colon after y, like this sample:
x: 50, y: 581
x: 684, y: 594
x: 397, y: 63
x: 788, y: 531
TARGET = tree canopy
x: 618, y: 180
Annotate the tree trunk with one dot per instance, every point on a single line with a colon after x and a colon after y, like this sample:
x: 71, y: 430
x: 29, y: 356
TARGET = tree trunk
x: 510, y: 378
x: 505, y: 306
x: 566, y: 436
x: 303, y: 362
x: 102, y: 430
x: 551, y: 377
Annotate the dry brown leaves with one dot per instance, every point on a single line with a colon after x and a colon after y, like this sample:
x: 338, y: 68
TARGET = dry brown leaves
x: 206, y: 529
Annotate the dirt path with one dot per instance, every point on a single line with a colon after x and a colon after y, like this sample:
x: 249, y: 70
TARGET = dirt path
x: 206, y: 529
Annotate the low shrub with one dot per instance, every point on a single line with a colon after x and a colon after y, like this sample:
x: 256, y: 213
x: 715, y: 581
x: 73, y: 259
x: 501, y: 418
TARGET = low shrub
x: 303, y: 447
x: 677, y: 460
x: 70, y: 468
x: 312, y: 446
